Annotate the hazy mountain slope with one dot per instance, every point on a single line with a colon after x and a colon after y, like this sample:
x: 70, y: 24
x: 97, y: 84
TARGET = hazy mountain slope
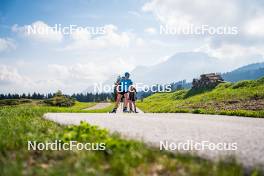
x: 178, y: 67
x: 248, y: 72
x: 186, y: 66
x: 253, y: 66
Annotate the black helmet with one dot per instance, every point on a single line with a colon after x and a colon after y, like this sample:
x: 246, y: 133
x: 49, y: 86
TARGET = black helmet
x: 127, y: 74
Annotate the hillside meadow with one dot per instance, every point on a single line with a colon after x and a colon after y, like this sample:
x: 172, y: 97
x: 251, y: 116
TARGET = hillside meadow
x: 244, y: 98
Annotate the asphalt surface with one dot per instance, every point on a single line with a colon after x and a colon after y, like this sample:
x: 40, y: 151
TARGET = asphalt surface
x: 98, y: 106
x: 120, y: 109
x: 247, y: 134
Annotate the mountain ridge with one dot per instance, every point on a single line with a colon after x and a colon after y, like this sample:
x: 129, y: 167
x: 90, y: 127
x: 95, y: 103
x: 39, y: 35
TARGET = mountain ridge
x: 247, y: 72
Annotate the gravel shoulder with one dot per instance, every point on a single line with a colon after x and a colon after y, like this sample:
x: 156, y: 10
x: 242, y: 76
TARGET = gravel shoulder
x: 174, y: 128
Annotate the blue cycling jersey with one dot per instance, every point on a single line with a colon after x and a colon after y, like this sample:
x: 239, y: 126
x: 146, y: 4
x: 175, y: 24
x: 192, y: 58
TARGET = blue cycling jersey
x: 124, y: 85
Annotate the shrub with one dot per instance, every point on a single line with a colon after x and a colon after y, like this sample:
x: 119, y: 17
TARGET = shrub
x: 85, y: 132
x: 60, y: 100
x: 12, y: 102
x: 197, y: 91
x: 8, y: 102
x: 260, y: 81
x: 224, y: 85
x: 196, y: 111
x: 242, y: 84
x: 178, y: 95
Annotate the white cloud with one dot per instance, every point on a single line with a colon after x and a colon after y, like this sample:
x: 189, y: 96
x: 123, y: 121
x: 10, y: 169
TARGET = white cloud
x: 226, y: 51
x: 39, y: 31
x: 233, y: 55
x: 150, y: 30
x: 78, y: 77
x: 11, y: 81
x: 134, y: 13
x: 185, y: 12
x: 6, y: 44
x: 246, y: 15
x: 85, y: 72
x: 10, y: 75
x: 255, y: 26
x: 90, y: 72
x: 139, y: 42
x: 83, y: 40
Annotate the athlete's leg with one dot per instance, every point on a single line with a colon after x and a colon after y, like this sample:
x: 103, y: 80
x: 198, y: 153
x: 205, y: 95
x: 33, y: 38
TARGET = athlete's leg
x: 125, y: 100
x: 118, y: 99
x: 135, y: 108
x: 130, y: 105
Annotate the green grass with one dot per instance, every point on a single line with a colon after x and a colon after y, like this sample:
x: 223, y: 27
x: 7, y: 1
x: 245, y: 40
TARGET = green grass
x: 10, y: 102
x: 19, y: 124
x: 245, y: 98
x: 77, y: 107
x: 80, y: 107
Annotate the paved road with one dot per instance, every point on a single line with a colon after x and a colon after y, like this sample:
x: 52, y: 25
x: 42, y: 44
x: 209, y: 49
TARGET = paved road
x: 248, y: 133
x: 120, y: 109
x: 104, y: 105
x: 98, y: 106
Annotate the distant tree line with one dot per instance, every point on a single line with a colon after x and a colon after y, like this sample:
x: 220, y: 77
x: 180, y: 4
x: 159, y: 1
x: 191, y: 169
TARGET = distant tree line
x: 82, y: 97
x: 180, y: 85
x: 25, y: 96
x: 90, y: 97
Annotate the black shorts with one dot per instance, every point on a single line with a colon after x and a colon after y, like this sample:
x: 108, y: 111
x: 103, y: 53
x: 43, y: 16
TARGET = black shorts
x: 131, y: 96
x: 122, y: 93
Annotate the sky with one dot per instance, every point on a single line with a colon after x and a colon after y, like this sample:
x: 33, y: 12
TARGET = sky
x: 132, y: 37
